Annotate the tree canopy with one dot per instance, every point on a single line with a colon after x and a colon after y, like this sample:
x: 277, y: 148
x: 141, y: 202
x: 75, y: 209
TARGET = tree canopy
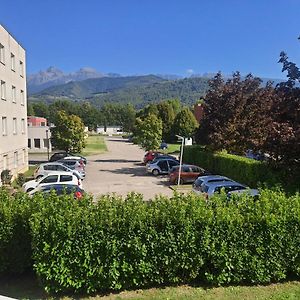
x: 68, y: 133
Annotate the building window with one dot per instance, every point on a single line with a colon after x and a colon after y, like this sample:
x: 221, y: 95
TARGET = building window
x: 13, y: 94
x: 16, y: 159
x: 4, y: 126
x: 37, y: 143
x: 43, y: 124
x: 3, y: 90
x: 29, y: 143
x: 13, y: 62
x: 22, y: 97
x: 23, y: 126
x: 21, y: 69
x: 5, y: 162
x: 46, y: 143
x: 2, y: 54
x: 14, y: 125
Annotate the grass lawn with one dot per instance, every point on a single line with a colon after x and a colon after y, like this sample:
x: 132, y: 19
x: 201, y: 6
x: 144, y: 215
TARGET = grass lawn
x: 172, y: 148
x: 27, y: 288
x: 95, y: 145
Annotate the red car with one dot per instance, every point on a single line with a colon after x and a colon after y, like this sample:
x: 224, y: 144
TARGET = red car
x: 150, y: 155
x: 189, y: 173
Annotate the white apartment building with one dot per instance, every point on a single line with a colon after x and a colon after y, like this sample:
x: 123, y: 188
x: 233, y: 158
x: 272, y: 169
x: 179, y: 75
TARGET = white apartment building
x: 13, y: 105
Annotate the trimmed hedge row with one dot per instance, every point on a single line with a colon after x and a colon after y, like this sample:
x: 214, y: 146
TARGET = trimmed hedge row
x: 126, y: 243
x: 242, y: 169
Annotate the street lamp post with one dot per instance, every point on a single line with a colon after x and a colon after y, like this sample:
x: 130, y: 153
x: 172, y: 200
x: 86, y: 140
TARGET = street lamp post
x: 180, y: 162
x: 47, y: 137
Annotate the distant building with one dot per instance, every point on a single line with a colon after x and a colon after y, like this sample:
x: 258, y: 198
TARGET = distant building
x: 199, y: 111
x: 110, y: 130
x: 13, y: 105
x: 38, y: 135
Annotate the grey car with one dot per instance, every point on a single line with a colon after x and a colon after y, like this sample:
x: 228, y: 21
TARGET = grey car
x: 201, y: 180
x: 216, y: 187
x: 161, y: 166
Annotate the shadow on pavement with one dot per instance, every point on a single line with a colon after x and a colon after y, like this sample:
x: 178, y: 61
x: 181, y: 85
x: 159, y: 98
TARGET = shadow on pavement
x: 118, y: 161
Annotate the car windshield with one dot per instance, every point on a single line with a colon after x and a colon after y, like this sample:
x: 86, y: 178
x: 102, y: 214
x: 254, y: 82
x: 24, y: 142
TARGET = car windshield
x: 204, y: 188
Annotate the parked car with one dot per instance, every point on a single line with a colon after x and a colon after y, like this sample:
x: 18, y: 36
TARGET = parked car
x: 60, y: 155
x: 162, y: 166
x: 73, y: 164
x: 162, y: 157
x: 52, y: 167
x: 60, y: 189
x: 216, y: 187
x: 251, y: 192
x: 150, y: 155
x: 201, y: 180
x: 163, y: 146
x: 58, y: 177
x: 189, y: 173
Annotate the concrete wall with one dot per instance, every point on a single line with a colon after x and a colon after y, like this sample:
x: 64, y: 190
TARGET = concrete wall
x: 13, y: 105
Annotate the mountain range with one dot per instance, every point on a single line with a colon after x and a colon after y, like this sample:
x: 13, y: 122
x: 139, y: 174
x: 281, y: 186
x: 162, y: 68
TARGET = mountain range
x: 99, y: 88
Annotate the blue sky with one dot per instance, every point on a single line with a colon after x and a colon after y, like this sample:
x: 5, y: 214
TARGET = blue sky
x: 157, y: 36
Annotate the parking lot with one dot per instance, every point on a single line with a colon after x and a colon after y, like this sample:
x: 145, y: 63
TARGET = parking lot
x: 120, y: 170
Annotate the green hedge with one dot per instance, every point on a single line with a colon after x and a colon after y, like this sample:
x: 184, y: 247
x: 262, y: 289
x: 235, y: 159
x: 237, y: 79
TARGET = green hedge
x: 242, y: 169
x: 117, y: 244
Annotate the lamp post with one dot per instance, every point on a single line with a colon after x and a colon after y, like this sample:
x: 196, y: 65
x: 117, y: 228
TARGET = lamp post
x: 47, y: 137
x: 180, y: 162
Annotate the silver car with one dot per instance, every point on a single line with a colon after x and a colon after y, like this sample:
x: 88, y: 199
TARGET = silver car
x: 227, y: 186
x: 51, y: 167
x: 201, y: 180
x: 161, y: 166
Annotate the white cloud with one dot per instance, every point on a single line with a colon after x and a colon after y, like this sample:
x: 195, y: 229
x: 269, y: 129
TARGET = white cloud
x: 190, y: 71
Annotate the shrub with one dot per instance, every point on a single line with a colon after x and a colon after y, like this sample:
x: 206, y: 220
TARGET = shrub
x: 6, y: 177
x: 242, y: 169
x: 15, y: 236
x: 129, y: 243
x: 79, y: 246
x: 20, y: 179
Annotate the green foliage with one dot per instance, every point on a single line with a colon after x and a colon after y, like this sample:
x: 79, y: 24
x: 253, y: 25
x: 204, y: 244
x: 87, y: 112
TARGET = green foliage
x: 115, y: 243
x: 185, y: 123
x: 167, y: 115
x: 68, y: 133
x: 138, y: 90
x: 6, y: 176
x: 21, y: 179
x: 15, y: 236
x: 242, y: 169
x: 148, y: 132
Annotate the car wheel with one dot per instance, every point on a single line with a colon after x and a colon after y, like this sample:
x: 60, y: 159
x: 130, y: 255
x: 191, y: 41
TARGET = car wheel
x: 29, y: 190
x: 180, y: 181
x: 155, y: 172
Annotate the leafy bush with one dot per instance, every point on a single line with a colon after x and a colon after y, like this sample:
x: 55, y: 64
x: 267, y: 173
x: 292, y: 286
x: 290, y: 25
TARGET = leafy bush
x: 242, y: 169
x: 6, y: 177
x: 21, y: 179
x: 117, y: 244
x: 15, y: 236
x: 126, y: 243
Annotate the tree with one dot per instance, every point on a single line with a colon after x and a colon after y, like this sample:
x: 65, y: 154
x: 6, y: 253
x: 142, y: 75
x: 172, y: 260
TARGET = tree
x: 185, y: 123
x: 167, y: 115
x: 41, y: 109
x: 148, y: 132
x: 68, y: 133
x: 236, y: 114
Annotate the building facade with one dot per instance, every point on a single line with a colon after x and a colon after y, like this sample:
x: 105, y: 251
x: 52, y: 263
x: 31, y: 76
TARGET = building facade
x: 13, y: 105
x: 38, y: 135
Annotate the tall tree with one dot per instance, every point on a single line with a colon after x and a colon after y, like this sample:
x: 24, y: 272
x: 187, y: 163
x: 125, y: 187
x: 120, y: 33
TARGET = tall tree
x: 167, y: 115
x: 236, y: 114
x: 148, y: 132
x: 185, y: 123
x: 68, y: 133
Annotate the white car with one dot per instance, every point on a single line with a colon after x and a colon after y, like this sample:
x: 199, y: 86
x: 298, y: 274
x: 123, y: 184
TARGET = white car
x: 53, y: 178
x: 53, y: 167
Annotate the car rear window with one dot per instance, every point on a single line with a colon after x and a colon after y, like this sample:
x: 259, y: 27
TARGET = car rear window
x: 65, y: 178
